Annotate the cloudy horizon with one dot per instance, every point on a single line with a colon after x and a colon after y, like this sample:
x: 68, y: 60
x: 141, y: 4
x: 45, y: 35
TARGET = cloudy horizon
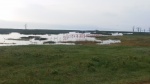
x: 75, y: 14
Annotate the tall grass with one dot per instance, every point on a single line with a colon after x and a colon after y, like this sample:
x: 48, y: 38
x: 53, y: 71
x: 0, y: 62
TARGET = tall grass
x: 74, y: 64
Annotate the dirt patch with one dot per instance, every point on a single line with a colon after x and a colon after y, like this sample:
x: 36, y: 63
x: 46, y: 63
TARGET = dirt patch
x: 142, y: 82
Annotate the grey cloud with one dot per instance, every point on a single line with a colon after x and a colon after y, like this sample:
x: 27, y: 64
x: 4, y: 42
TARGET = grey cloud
x: 104, y: 14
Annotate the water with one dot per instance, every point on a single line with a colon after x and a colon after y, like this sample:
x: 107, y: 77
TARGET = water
x: 15, y: 38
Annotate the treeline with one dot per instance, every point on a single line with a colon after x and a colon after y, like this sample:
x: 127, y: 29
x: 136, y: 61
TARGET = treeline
x: 35, y: 31
x: 44, y: 31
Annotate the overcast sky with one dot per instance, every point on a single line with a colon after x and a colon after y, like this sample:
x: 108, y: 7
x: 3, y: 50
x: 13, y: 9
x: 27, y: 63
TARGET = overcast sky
x: 75, y: 14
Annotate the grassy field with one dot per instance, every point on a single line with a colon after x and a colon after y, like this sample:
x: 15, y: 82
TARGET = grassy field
x: 130, y: 40
x: 125, y: 63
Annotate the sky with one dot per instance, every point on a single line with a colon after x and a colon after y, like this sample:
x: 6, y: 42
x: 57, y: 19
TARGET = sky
x: 75, y: 14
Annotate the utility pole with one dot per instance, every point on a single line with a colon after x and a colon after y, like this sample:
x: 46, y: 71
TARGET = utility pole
x: 138, y: 29
x: 149, y: 29
x: 133, y: 28
x: 25, y: 26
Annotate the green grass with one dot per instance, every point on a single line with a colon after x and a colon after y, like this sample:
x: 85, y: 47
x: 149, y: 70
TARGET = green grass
x: 130, y: 40
x: 86, y: 64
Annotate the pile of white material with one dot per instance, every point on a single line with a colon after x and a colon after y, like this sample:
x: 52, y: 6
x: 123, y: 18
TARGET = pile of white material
x: 117, y: 34
x: 106, y: 42
x: 15, y: 38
